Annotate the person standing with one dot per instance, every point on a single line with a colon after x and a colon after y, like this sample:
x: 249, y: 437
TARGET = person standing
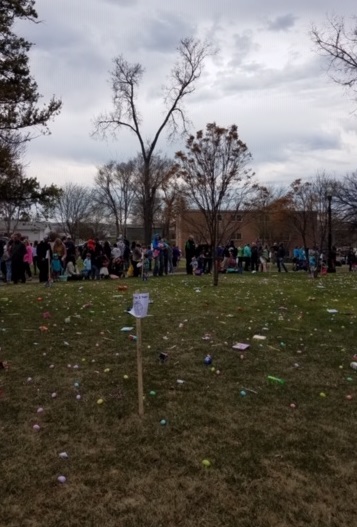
x: 34, y: 257
x: 70, y: 250
x: 351, y: 259
x: 44, y: 253
x: 247, y: 254
x: 17, y: 253
x: 254, y: 257
x: 190, y: 252
x: 28, y: 259
x: 281, y: 257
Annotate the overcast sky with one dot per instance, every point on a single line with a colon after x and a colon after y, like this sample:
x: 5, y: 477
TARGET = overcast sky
x: 267, y: 79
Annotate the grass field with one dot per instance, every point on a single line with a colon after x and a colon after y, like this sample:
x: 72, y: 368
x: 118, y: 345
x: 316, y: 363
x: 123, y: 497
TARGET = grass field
x: 280, y: 455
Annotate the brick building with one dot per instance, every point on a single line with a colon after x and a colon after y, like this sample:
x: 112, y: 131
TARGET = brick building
x: 242, y: 227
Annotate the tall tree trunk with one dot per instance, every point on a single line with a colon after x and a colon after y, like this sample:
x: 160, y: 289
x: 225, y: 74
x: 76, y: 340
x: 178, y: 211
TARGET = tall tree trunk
x: 117, y: 229
x: 214, y: 238
x: 148, y: 205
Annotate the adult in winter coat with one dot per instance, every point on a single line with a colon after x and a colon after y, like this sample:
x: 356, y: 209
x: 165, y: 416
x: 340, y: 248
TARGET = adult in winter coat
x: 17, y: 253
x: 190, y: 252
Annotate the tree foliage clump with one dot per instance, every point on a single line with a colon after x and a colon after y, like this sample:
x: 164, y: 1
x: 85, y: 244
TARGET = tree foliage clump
x: 21, y: 117
x: 20, y: 113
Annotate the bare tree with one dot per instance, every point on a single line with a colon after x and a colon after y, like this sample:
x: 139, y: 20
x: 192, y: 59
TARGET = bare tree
x: 303, y: 211
x: 161, y: 173
x: 214, y: 171
x: 173, y: 201
x: 73, y: 208
x: 346, y: 199
x: 270, y: 211
x: 126, y: 80
x: 115, y: 192
x: 320, y: 186
x: 339, y: 44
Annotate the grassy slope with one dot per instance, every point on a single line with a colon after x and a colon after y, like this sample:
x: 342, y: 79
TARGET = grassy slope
x: 271, y: 465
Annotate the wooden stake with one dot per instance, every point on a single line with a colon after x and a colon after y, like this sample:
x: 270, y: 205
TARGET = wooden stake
x: 140, y: 367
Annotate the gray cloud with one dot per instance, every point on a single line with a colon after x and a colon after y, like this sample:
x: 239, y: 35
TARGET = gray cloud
x: 243, y: 45
x: 267, y: 81
x: 162, y: 31
x: 255, y: 76
x: 120, y: 3
x: 282, y: 23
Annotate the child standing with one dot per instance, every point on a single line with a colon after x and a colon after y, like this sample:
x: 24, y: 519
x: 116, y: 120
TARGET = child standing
x: 146, y: 267
x: 87, y: 266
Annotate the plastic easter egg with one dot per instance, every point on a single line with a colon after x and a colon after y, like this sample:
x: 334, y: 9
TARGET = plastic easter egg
x: 54, y: 395
x: 353, y: 365
x: 62, y: 479
x: 208, y: 360
x: 76, y: 385
x: 152, y: 393
x: 206, y: 463
x: 322, y: 394
x: 293, y: 406
x: 29, y: 379
x: 125, y: 377
x: 78, y: 397
x: 218, y: 372
x: 349, y: 397
x: 36, y: 428
x: 163, y: 422
x: 39, y: 410
x: 213, y: 369
x: 106, y: 370
x: 63, y: 455
x: 242, y: 393
x: 100, y: 401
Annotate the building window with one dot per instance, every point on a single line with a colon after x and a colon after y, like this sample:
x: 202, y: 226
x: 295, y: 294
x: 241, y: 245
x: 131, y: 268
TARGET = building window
x: 237, y: 217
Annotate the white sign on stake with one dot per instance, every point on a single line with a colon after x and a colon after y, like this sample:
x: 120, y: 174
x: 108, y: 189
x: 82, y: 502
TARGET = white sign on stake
x: 140, y: 305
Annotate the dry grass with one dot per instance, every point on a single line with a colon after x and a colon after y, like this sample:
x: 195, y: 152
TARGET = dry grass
x: 271, y: 465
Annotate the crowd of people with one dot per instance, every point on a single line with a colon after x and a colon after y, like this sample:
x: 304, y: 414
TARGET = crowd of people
x: 55, y: 258
x: 252, y: 257
x: 257, y: 257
